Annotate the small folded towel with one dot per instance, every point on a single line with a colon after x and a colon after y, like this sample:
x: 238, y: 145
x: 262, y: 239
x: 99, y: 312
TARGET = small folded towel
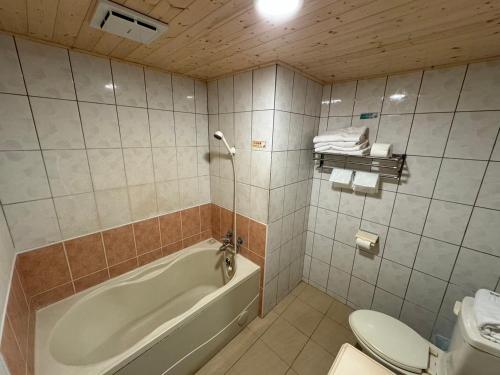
x: 352, y: 134
x: 364, y: 151
x: 320, y: 147
x: 341, y: 177
x: 336, y: 144
x: 366, y: 182
x: 487, y: 311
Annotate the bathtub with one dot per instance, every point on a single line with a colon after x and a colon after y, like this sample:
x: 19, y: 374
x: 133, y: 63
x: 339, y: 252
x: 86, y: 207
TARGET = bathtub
x: 167, y: 317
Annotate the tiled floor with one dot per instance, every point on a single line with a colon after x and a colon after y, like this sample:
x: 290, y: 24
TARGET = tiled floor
x: 300, y: 336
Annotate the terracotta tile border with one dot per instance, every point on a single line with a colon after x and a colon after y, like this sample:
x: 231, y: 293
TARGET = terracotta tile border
x: 46, y: 275
x: 253, y: 234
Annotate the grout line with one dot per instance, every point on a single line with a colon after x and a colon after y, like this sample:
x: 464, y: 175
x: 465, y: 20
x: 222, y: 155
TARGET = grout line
x: 85, y: 147
x: 157, y: 207
x: 105, y: 254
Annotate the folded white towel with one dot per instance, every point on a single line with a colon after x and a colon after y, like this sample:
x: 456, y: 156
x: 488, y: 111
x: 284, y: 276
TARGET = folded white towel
x: 487, y: 311
x: 341, y: 177
x: 325, y: 146
x: 352, y: 134
x: 366, y: 182
x: 337, y: 144
x: 364, y: 151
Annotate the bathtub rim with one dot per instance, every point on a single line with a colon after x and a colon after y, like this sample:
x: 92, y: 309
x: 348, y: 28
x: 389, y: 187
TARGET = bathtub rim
x: 48, y: 317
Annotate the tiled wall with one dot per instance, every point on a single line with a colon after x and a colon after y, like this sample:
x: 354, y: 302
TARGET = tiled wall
x: 281, y: 108
x: 296, y: 121
x: 439, y: 237
x: 241, y: 106
x: 87, y: 144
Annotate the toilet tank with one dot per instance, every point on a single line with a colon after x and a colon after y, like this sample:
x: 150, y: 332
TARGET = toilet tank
x: 469, y: 353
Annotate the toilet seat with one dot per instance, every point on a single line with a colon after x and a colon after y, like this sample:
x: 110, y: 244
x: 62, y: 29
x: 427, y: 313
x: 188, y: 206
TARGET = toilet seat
x: 391, y: 340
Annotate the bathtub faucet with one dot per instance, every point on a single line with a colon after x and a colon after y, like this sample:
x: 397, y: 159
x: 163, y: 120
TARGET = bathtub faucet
x: 227, y: 242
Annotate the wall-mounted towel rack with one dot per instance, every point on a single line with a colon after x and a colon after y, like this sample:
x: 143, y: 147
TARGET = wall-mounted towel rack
x: 388, y: 168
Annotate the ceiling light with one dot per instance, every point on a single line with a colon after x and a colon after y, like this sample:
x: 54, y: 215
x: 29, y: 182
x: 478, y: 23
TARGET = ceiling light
x: 279, y: 10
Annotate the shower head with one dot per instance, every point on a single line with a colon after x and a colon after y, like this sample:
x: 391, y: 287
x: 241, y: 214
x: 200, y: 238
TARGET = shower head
x: 220, y: 136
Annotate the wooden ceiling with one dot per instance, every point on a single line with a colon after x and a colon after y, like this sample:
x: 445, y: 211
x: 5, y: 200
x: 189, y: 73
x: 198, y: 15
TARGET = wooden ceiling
x: 328, y: 39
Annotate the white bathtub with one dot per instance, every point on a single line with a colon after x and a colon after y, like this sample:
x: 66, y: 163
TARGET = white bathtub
x: 168, y: 317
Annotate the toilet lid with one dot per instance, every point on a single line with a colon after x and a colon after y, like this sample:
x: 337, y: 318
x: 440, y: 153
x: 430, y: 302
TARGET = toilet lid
x: 391, y: 339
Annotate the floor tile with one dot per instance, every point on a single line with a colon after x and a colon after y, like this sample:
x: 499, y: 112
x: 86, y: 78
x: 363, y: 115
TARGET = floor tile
x: 313, y: 360
x: 332, y: 335
x: 259, y: 359
x: 231, y: 353
x: 285, y: 340
x: 259, y: 325
x: 281, y: 307
x: 339, y: 312
x: 296, y: 291
x: 315, y: 298
x: 302, y: 316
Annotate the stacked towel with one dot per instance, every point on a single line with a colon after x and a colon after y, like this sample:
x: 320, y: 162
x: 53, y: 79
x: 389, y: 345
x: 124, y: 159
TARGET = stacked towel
x: 347, y: 141
x: 487, y: 311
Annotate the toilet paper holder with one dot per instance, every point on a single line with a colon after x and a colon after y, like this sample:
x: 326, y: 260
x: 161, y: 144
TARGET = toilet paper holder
x: 366, y: 240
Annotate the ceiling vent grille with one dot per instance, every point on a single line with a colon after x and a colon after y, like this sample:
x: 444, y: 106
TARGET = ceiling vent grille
x: 127, y: 23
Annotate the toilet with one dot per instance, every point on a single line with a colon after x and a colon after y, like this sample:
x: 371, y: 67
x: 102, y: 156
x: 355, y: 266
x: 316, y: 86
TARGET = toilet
x: 404, y: 351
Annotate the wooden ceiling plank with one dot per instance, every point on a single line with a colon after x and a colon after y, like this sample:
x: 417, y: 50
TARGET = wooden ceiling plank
x: 394, y: 64
x: 257, y: 47
x: 359, y: 19
x: 427, y: 48
x: 465, y: 27
x: 350, y: 16
x: 124, y: 48
x: 13, y: 16
x: 229, y: 10
x: 328, y: 39
x: 195, y: 18
x: 70, y: 15
x: 107, y: 43
x: 87, y: 36
x: 41, y: 18
x: 141, y: 6
x: 395, y: 59
x: 385, y: 34
x: 345, y: 30
x: 249, y: 24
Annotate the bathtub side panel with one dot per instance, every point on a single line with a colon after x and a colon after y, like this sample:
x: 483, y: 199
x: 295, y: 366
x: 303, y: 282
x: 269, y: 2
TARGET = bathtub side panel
x: 186, y: 343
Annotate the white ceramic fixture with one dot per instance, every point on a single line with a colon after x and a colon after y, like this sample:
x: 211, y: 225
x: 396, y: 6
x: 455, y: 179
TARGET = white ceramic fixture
x: 404, y: 351
x: 167, y: 317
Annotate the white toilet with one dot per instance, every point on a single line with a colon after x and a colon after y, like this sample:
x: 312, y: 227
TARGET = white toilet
x: 404, y: 351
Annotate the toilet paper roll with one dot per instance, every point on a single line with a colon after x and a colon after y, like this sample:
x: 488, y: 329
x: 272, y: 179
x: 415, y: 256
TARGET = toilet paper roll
x: 381, y: 150
x: 363, y: 244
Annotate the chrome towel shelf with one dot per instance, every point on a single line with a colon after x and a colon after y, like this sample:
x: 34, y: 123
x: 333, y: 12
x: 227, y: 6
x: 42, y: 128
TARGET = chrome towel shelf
x: 388, y: 168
